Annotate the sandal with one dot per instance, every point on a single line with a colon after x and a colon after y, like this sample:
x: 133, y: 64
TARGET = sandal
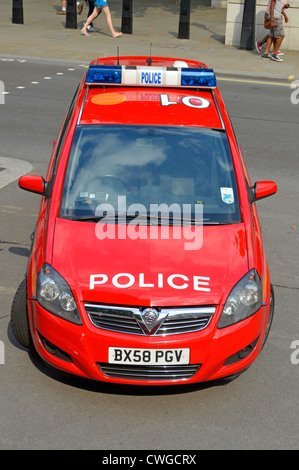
x: 85, y: 33
x: 116, y: 35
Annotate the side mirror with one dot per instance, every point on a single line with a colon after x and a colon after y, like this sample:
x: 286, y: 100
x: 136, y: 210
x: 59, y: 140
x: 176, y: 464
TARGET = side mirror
x: 262, y: 189
x: 34, y: 184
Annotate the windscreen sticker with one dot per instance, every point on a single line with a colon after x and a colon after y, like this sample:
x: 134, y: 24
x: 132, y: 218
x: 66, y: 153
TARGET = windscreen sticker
x: 227, y: 195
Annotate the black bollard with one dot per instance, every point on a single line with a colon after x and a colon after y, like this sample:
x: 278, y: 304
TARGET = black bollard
x: 248, y: 25
x: 127, y: 17
x: 17, y: 11
x: 71, y: 14
x: 184, y: 24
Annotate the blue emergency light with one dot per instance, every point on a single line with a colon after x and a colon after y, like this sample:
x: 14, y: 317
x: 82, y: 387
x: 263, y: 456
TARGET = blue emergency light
x: 104, y: 74
x: 198, y: 78
x: 150, y: 76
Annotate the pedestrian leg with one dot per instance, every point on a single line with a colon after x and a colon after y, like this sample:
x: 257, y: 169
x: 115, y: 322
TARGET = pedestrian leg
x: 89, y: 20
x: 109, y: 22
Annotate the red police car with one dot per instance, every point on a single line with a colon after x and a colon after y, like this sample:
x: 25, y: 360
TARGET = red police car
x: 147, y: 264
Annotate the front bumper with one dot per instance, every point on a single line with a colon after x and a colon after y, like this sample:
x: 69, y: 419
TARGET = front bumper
x: 83, y: 350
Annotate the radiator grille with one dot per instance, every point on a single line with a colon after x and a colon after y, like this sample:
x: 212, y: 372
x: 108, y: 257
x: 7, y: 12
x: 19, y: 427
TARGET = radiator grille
x: 169, y: 321
x: 176, y: 372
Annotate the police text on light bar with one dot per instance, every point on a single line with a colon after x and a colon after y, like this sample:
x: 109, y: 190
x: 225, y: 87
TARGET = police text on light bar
x: 150, y: 76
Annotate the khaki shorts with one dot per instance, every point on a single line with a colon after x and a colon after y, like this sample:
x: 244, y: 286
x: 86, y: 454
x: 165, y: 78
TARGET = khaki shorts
x: 277, y: 31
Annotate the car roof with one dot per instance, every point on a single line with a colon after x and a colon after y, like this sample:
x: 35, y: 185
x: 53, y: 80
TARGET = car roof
x: 141, y: 105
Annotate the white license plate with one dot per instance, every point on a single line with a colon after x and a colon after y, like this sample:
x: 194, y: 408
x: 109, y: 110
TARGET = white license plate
x: 148, y: 356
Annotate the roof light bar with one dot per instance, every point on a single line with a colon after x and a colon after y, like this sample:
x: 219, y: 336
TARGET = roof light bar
x: 198, y: 78
x: 150, y: 76
x: 104, y: 74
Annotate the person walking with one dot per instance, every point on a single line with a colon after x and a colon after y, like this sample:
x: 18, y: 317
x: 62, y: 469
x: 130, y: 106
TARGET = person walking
x: 90, y: 28
x: 276, y: 33
x: 100, y: 5
x: 63, y: 8
x: 259, y: 44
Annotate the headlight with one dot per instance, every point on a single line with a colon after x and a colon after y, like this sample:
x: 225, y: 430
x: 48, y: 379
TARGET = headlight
x: 244, y: 300
x: 54, y: 294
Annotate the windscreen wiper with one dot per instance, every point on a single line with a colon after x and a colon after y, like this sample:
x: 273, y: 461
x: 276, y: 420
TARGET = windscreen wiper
x: 152, y: 219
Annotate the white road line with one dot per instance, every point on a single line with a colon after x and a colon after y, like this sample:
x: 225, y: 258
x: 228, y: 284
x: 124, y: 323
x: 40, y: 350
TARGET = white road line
x: 265, y: 82
x: 13, y: 169
x: 10, y: 59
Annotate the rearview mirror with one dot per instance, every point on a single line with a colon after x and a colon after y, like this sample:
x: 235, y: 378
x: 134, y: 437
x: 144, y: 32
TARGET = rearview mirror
x: 262, y: 189
x: 34, y: 184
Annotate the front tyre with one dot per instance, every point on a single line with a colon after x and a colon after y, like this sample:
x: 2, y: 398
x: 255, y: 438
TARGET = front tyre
x: 271, y: 315
x: 19, y: 316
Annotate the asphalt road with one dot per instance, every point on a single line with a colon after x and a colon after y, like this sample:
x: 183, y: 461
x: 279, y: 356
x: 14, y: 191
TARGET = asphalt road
x: 42, y: 409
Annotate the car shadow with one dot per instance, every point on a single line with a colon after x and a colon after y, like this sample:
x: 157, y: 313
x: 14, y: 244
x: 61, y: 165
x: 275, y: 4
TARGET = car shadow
x: 118, y: 389
x: 110, y: 388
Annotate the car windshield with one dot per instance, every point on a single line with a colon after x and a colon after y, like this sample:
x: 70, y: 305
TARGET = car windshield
x: 124, y: 170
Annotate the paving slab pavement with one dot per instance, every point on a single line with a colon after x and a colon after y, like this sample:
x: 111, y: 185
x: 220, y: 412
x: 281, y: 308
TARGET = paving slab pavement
x: 155, y: 28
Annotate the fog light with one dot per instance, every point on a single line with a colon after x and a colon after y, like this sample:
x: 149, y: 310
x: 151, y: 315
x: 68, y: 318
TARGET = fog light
x: 242, y: 354
x: 53, y: 349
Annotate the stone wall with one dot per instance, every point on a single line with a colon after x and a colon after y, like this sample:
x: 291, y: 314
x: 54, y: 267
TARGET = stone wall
x: 234, y: 19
